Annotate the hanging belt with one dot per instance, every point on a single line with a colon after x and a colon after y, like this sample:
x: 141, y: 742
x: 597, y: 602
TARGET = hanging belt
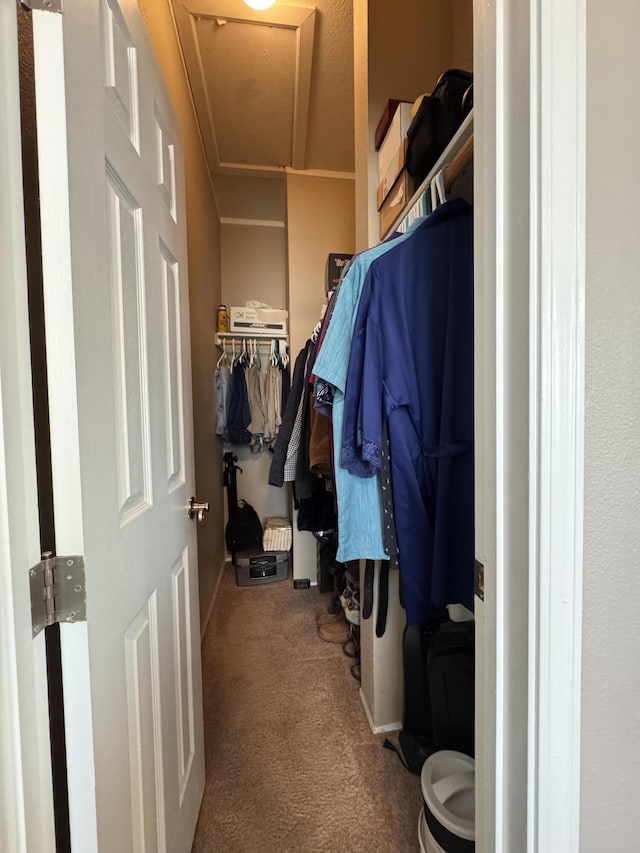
x: 367, y: 600
x: 383, y: 598
x: 383, y: 594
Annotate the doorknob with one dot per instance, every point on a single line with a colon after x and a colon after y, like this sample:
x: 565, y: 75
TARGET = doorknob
x: 196, y: 510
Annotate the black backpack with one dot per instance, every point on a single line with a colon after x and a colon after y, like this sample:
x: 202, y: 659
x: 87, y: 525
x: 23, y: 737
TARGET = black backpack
x: 436, y: 121
x: 244, y: 530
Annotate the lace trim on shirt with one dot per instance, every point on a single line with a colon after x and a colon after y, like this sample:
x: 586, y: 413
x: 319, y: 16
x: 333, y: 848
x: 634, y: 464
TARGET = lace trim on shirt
x: 355, y: 464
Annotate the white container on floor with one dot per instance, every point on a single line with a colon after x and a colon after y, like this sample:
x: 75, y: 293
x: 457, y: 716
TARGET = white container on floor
x: 447, y: 822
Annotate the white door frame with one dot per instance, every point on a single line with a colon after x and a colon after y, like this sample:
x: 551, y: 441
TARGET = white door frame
x: 530, y: 534
x: 26, y: 798
x: 557, y: 417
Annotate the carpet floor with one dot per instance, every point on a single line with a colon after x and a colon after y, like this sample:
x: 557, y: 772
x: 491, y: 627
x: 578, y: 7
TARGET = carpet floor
x: 291, y: 763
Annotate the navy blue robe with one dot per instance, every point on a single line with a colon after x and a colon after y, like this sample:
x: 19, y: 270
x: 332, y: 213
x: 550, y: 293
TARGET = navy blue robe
x: 411, y: 365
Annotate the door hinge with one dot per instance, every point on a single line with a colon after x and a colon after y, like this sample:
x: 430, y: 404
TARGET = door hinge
x: 479, y: 579
x: 58, y: 592
x: 42, y: 5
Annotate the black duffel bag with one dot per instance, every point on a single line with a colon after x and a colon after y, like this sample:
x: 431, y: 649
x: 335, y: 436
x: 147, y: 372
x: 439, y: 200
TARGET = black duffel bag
x: 438, y: 117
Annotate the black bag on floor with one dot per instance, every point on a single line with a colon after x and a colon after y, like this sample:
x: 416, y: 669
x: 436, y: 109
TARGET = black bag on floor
x: 436, y: 121
x: 244, y: 530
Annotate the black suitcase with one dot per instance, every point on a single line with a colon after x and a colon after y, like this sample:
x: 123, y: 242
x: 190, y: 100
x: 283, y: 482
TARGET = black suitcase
x: 436, y: 121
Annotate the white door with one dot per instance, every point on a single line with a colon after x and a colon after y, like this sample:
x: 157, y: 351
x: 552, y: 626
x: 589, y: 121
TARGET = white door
x: 26, y: 804
x: 116, y: 310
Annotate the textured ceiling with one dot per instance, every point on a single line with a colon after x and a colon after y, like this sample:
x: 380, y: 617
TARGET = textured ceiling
x: 273, y: 90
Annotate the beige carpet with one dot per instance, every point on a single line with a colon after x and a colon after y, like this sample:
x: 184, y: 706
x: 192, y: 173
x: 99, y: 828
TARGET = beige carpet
x: 291, y: 762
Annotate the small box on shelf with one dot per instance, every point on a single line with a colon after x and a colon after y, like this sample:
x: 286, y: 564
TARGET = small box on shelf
x: 258, y: 322
x: 395, y: 201
x: 394, y: 138
x: 385, y: 120
x: 396, y: 165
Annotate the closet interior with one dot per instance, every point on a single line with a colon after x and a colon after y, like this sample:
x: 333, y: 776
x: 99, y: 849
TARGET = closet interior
x: 348, y: 420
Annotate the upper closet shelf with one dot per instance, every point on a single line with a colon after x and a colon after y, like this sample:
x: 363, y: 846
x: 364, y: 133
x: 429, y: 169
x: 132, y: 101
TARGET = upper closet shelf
x: 455, y: 156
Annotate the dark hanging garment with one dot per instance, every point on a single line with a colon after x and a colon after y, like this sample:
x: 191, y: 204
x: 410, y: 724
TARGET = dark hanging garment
x: 239, y: 414
x: 316, y: 513
x: 286, y: 388
x: 281, y: 445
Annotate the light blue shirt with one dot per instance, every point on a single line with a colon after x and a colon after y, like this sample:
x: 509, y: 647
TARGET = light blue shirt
x: 359, y: 501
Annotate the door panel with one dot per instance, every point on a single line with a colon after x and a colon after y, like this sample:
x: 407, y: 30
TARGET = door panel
x: 173, y: 368
x: 145, y: 730
x: 123, y: 337
x: 129, y: 335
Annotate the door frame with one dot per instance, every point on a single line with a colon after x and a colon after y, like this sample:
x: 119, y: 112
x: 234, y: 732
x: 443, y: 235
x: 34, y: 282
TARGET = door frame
x: 26, y: 796
x: 555, y: 71
x: 531, y: 248
x: 557, y: 418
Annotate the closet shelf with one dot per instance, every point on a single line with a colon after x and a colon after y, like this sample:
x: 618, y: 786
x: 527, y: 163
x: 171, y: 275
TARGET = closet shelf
x: 455, y: 157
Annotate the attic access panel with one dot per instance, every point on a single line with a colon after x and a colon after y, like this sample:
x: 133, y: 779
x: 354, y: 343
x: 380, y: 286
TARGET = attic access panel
x: 250, y: 72
x: 258, y: 88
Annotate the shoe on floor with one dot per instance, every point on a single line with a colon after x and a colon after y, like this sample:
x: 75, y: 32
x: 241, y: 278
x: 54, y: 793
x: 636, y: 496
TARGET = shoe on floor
x: 351, y: 648
x: 326, y: 618
x: 334, y: 632
x: 352, y: 611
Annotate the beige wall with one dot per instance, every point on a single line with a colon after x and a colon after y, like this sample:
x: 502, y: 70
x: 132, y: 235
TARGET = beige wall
x: 462, y: 34
x: 320, y: 220
x: 610, y: 756
x: 254, y: 265
x: 203, y: 232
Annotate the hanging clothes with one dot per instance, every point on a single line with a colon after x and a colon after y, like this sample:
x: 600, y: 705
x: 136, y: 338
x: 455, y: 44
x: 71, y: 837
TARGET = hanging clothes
x: 359, y: 502
x: 281, y: 445
x: 411, y: 365
x: 239, y: 413
x: 222, y: 388
x: 271, y: 389
x: 256, y: 401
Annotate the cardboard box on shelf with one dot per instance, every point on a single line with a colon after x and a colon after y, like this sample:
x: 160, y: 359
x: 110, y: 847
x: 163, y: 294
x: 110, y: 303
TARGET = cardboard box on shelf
x: 395, y: 201
x: 259, y: 322
x: 386, y: 181
x: 385, y: 120
x: 394, y: 138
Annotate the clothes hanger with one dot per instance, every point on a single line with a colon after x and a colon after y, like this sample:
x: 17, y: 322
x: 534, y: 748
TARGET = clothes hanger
x: 438, y: 191
x: 442, y: 191
x: 223, y: 355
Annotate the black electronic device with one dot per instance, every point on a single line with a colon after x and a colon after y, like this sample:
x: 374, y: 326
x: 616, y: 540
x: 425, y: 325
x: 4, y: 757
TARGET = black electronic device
x: 260, y: 567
